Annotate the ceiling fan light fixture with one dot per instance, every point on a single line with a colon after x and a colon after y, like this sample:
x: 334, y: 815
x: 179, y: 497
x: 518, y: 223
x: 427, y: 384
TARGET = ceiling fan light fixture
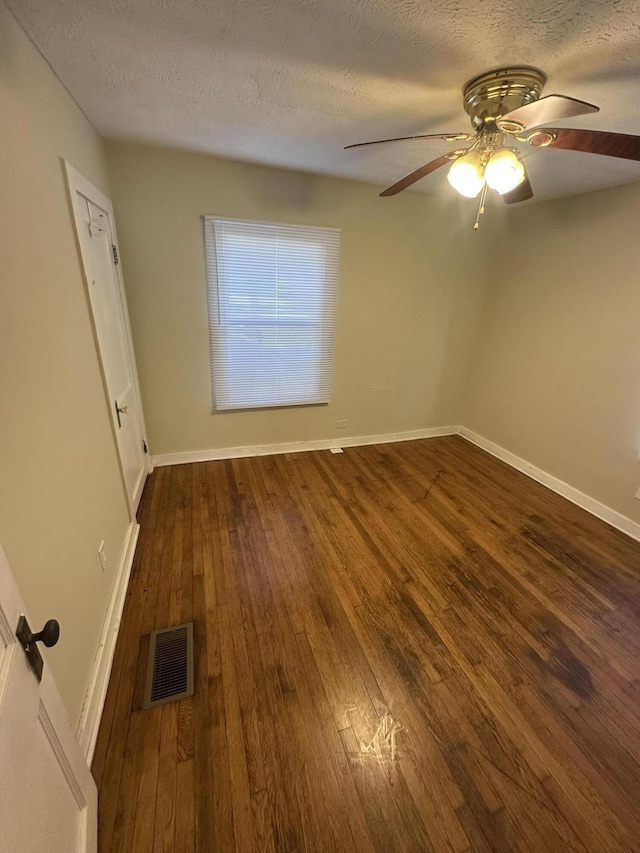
x: 466, y: 174
x: 504, y: 171
x: 508, y: 101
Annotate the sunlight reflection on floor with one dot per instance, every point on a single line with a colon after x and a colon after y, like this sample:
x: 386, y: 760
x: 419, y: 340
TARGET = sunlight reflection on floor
x: 383, y: 745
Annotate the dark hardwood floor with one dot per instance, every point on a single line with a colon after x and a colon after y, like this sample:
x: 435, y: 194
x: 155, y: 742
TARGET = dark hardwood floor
x: 408, y: 647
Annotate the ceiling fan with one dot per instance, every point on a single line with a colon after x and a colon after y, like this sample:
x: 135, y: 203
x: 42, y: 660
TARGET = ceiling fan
x: 505, y: 105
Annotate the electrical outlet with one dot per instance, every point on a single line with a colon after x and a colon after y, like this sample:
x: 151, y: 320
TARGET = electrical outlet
x: 638, y: 493
x: 342, y: 423
x: 102, y: 555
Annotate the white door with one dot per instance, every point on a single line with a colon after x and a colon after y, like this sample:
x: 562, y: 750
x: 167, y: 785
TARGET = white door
x: 95, y: 228
x: 48, y: 799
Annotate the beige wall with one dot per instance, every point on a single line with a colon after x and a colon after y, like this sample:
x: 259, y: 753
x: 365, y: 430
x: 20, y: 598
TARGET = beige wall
x: 60, y: 491
x: 557, y: 372
x: 409, y: 291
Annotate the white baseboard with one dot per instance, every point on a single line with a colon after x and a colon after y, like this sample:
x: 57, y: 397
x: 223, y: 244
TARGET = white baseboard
x: 89, y: 723
x: 600, y: 510
x: 298, y: 446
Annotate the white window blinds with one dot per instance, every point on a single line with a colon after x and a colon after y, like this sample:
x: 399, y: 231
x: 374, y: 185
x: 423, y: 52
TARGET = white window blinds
x: 272, y: 304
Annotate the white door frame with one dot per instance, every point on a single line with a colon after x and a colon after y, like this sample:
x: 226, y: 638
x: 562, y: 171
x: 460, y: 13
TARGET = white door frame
x: 77, y: 183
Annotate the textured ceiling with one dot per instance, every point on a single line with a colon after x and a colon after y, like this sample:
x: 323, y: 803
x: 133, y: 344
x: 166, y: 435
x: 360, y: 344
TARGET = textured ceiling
x: 289, y: 82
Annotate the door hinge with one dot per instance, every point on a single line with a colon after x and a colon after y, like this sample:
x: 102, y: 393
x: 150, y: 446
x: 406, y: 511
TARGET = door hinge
x: 144, y: 446
x: 114, y: 249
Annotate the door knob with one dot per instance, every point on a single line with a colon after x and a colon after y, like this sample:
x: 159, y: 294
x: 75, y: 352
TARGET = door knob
x: 49, y: 635
x: 120, y: 410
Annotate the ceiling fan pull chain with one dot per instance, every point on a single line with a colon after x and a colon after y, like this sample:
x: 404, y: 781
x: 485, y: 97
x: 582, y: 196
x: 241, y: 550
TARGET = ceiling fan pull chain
x: 483, y: 196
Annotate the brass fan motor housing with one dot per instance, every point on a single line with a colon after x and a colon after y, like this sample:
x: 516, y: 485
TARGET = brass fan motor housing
x: 498, y: 92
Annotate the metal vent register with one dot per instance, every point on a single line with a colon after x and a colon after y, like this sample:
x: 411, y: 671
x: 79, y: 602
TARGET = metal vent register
x: 170, y: 666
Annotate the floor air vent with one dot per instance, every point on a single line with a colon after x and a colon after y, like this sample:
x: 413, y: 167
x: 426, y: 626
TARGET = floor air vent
x: 170, y: 666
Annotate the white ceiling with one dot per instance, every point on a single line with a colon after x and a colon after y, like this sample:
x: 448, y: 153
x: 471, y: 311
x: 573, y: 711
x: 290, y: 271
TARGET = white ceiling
x: 290, y: 82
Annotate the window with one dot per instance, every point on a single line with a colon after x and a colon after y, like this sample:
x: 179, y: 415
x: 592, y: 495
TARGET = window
x: 272, y: 302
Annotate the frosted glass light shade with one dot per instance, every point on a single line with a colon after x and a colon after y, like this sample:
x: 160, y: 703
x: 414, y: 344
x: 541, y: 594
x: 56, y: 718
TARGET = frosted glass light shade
x: 466, y: 174
x: 504, y: 171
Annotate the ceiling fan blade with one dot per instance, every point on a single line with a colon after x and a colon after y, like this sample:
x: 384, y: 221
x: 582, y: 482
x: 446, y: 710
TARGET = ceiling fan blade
x: 419, y: 173
x: 450, y: 137
x: 623, y: 145
x: 521, y: 193
x: 549, y: 108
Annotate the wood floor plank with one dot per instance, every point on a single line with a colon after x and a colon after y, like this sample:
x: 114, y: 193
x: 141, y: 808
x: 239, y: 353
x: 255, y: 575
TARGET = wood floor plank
x: 403, y: 647
x: 238, y: 771
x: 184, y: 835
x: 165, y: 818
